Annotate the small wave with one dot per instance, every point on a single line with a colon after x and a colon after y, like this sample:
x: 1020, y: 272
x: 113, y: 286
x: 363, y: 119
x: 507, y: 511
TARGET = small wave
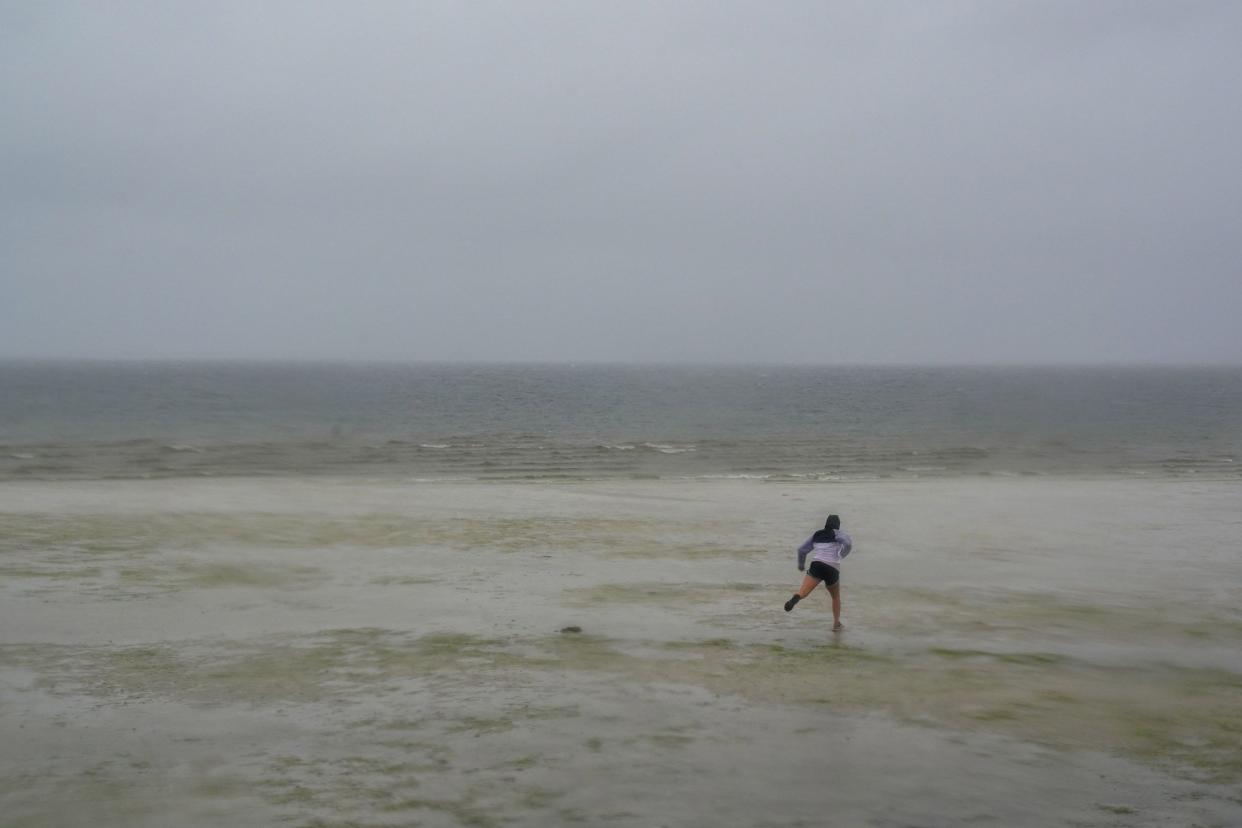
x: 182, y: 448
x: 621, y: 447
x: 957, y: 453
x: 35, y: 471
x: 23, y: 456
x: 435, y: 445
x: 668, y: 448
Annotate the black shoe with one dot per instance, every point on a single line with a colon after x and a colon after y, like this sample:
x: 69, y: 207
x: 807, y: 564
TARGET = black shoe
x: 791, y: 602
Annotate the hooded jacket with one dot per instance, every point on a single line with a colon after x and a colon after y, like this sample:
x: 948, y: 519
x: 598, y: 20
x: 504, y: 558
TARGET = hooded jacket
x: 829, y: 552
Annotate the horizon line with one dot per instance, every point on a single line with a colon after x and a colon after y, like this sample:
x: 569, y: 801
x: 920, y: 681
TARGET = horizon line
x: 602, y: 363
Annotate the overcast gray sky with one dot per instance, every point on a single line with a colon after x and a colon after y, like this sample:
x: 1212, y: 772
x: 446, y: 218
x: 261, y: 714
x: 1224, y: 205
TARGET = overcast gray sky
x: 757, y: 182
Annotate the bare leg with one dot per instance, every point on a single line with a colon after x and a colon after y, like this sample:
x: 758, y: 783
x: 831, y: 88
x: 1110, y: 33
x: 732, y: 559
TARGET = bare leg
x: 808, y: 586
x: 808, y: 583
x: 835, y: 592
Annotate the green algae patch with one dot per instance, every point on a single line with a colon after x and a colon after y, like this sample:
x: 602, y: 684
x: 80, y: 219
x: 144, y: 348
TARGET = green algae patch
x: 403, y: 580
x: 655, y: 547
x: 1043, y: 698
x: 345, y: 785
x: 690, y: 646
x: 127, y: 536
x: 480, y: 726
x: 1188, y: 721
x: 175, y: 576
x: 332, y: 664
x: 110, y: 533
x: 906, y: 611
x: 35, y: 570
x: 658, y: 594
x: 1031, y: 659
x: 652, y: 594
x: 1051, y: 700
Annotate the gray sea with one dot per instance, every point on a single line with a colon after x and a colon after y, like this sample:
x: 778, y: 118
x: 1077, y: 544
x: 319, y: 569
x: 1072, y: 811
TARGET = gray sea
x: 382, y: 595
x: 135, y: 420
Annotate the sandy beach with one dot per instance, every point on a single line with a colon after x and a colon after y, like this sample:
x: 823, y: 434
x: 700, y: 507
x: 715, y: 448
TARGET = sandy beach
x: 410, y: 414
x: 1018, y: 651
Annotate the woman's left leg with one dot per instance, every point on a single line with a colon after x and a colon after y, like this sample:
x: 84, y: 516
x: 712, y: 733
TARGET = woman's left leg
x: 835, y: 591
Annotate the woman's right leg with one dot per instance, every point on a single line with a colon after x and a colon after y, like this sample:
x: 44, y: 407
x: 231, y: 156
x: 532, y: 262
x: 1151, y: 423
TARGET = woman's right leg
x: 809, y: 583
x: 835, y: 591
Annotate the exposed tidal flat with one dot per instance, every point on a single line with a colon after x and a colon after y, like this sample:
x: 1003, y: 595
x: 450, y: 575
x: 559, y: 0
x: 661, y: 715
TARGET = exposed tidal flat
x: 339, y: 651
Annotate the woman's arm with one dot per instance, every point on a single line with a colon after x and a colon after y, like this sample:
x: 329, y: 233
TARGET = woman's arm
x: 803, y: 551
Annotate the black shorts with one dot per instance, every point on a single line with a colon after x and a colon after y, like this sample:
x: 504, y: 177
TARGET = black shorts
x: 828, y: 574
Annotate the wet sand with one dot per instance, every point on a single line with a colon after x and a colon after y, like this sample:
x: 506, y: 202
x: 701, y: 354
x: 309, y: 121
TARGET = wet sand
x: 1018, y: 651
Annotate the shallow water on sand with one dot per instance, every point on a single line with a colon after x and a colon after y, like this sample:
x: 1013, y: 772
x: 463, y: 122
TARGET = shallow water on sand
x: 344, y: 652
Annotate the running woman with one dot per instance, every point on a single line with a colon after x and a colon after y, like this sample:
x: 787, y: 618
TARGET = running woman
x: 829, y: 546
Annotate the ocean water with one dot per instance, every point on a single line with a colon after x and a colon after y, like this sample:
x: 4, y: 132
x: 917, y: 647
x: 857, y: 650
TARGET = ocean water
x: 133, y: 420
x: 250, y: 595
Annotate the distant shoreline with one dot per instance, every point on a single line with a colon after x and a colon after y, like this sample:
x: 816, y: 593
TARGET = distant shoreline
x: 536, y: 363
